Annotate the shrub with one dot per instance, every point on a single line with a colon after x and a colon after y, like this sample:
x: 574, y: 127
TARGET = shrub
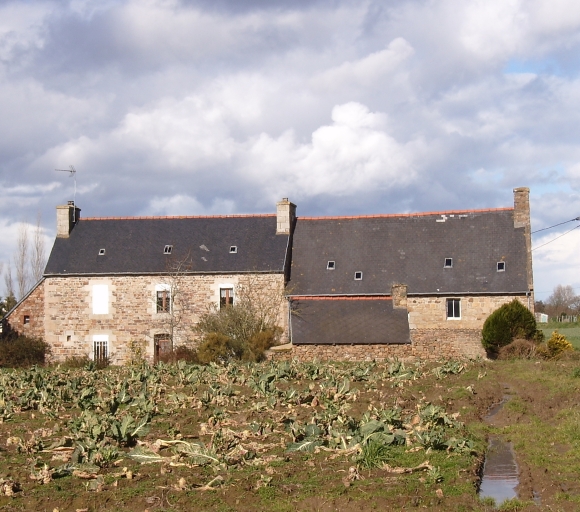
x: 180, y: 353
x: 556, y: 346
x: 518, y: 349
x: 75, y: 362
x: 17, y: 351
x: 510, y: 321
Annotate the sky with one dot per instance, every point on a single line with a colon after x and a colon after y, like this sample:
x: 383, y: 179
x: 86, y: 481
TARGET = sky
x: 169, y: 107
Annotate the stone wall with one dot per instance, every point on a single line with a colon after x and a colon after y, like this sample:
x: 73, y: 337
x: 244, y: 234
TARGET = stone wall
x: 130, y: 314
x: 28, y: 317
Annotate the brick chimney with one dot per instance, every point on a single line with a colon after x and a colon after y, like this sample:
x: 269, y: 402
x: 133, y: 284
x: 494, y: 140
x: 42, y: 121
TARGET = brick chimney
x: 285, y: 215
x: 67, y: 216
x: 522, y: 220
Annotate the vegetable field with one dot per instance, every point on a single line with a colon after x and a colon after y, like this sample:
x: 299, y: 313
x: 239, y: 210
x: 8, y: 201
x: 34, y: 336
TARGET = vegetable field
x: 269, y: 436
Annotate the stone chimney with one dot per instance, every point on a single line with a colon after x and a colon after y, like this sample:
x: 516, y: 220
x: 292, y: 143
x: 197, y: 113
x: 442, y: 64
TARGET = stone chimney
x: 67, y: 216
x: 522, y: 220
x: 522, y: 207
x: 399, y: 295
x: 285, y: 215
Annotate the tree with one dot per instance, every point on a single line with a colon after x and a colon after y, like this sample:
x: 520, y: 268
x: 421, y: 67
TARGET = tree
x: 29, y: 261
x: 562, y: 301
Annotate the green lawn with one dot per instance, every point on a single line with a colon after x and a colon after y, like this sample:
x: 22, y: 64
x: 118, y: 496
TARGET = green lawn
x: 571, y: 331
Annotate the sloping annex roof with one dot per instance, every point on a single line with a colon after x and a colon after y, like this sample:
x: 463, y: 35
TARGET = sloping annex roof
x: 409, y: 249
x: 136, y: 245
x: 348, y: 320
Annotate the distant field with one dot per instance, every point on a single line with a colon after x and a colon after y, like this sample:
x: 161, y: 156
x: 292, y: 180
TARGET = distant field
x: 572, y: 333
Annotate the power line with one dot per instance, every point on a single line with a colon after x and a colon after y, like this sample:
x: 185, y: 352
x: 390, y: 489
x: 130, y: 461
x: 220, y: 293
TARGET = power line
x: 576, y: 227
x: 555, y: 225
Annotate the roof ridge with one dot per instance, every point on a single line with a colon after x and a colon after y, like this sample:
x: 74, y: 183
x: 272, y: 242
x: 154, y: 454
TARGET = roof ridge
x: 341, y: 297
x: 418, y: 214
x: 161, y: 217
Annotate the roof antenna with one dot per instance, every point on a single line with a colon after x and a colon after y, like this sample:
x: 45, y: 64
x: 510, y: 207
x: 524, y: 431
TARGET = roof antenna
x: 72, y: 174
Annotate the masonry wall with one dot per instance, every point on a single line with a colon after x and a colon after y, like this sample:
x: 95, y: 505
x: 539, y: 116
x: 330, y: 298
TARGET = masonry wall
x: 433, y: 336
x: 28, y: 317
x: 130, y: 314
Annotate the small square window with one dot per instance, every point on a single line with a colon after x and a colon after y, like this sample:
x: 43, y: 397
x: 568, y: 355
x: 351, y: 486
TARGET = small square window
x: 501, y: 266
x: 168, y: 249
x: 101, y: 252
x: 358, y: 276
x: 453, y: 309
x: 448, y: 263
x: 68, y: 337
x: 233, y: 249
x: 26, y: 319
x: 331, y: 265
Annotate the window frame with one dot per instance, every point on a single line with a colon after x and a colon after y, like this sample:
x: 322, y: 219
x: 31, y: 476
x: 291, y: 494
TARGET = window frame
x: 502, y: 263
x: 456, y: 308
x: 228, y: 300
x: 100, y: 347
x: 331, y: 265
x: 445, y: 265
x: 100, y: 299
x: 165, y: 306
x: 358, y: 278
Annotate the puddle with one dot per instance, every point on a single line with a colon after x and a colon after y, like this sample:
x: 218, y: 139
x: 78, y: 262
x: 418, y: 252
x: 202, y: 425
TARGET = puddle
x: 500, y: 472
x: 496, y: 408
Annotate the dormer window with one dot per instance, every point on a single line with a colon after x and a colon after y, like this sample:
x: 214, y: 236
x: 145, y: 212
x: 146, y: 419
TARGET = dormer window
x: 167, y: 249
x: 501, y: 266
x: 331, y: 265
x: 358, y: 275
x: 448, y: 263
x: 233, y: 249
x: 101, y: 252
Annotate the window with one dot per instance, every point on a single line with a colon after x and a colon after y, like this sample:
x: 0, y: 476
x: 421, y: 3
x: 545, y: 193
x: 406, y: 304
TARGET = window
x: 167, y: 249
x: 448, y: 263
x: 100, y: 347
x: 501, y: 266
x: 358, y: 276
x: 101, y: 252
x: 226, y: 297
x: 453, y: 309
x: 233, y: 249
x: 163, y: 299
x: 331, y: 265
x: 26, y: 319
x: 100, y: 299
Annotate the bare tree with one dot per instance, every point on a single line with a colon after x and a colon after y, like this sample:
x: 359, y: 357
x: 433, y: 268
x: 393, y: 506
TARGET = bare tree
x: 8, y: 281
x: 21, y: 260
x: 562, y: 301
x: 38, y: 256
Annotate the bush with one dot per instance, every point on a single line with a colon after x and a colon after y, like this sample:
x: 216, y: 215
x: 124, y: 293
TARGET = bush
x: 556, y: 346
x: 518, y: 349
x: 238, y: 331
x: 180, y: 353
x: 18, y: 351
x: 510, y: 321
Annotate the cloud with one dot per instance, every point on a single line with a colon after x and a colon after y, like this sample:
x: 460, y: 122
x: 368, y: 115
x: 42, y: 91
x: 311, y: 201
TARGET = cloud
x: 346, y: 107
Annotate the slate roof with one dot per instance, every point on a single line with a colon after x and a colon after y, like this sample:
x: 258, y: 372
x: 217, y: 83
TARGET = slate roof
x: 409, y: 249
x: 346, y: 321
x: 136, y: 245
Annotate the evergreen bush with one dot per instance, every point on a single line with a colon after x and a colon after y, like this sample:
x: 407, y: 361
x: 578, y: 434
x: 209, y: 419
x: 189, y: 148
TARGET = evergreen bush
x: 510, y: 321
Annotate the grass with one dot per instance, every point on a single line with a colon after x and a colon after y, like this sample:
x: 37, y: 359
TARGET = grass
x: 570, y: 330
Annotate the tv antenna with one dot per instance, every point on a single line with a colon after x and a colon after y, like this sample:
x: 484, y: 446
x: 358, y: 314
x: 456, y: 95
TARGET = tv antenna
x: 72, y: 174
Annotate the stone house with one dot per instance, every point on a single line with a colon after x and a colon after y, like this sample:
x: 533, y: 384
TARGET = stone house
x: 417, y: 285
x: 112, y: 285
x: 408, y: 286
